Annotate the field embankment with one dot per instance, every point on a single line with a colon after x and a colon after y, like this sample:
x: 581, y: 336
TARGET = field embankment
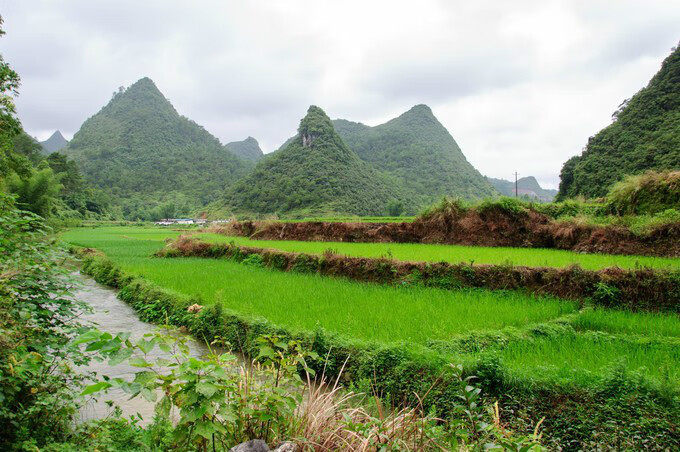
x: 494, y: 225
x: 635, y: 289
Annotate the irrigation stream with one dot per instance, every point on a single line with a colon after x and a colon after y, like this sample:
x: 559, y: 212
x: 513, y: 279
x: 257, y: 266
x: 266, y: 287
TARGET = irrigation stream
x: 114, y: 316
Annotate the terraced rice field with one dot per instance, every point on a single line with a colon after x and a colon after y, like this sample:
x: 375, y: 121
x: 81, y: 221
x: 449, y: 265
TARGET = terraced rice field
x: 369, y: 312
x: 531, y: 257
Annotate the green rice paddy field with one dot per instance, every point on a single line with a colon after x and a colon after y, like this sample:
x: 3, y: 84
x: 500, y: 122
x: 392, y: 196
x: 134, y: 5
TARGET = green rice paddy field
x: 643, y: 341
x: 531, y: 257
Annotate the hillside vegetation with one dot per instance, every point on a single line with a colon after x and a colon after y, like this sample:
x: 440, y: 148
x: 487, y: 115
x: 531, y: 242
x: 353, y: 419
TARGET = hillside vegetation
x: 316, y: 173
x: 418, y: 151
x: 143, y: 153
x: 248, y: 149
x: 645, y: 135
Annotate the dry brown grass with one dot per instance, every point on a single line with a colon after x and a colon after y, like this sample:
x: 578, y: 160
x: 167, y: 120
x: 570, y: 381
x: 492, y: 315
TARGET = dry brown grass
x: 332, y: 420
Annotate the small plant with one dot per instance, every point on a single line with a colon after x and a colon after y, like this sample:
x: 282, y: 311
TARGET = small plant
x: 606, y: 295
x: 475, y: 432
x: 254, y: 260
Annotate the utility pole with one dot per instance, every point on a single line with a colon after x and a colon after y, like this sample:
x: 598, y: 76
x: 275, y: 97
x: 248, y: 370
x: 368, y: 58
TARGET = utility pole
x: 516, y: 190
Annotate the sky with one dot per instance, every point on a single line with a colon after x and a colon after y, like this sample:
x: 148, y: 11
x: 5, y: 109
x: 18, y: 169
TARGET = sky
x: 520, y: 85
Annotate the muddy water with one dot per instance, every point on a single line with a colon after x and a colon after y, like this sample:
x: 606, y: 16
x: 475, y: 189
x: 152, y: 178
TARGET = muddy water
x: 114, y: 316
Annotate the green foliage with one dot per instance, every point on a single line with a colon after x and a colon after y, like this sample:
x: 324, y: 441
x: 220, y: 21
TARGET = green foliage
x: 315, y: 174
x: 645, y: 135
x: 143, y: 154
x: 648, y: 193
x: 569, y: 208
x: 10, y: 127
x: 510, y: 206
x: 220, y: 402
x: 417, y: 151
x: 248, y: 149
x: 446, y: 207
x: 36, y: 193
x: 395, y: 208
x: 26, y: 146
x: 37, y: 322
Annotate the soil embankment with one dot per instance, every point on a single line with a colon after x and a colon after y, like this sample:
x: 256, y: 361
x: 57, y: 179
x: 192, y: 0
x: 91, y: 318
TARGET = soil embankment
x: 493, y: 227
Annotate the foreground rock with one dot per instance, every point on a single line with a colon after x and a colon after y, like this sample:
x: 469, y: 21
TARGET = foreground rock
x: 257, y: 445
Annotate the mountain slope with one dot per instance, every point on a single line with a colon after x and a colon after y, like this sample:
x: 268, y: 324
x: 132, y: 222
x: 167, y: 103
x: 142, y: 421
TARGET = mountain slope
x: 316, y: 173
x: 645, y: 135
x: 526, y: 186
x: 141, y: 151
x: 248, y: 149
x: 418, y: 151
x: 54, y: 143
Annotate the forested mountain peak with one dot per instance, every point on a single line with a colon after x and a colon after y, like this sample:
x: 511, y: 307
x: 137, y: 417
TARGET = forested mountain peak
x: 419, y: 110
x: 316, y: 130
x: 54, y: 143
x: 645, y: 135
x: 248, y: 149
x: 130, y: 101
x: 416, y: 149
x: 139, y: 148
x: 315, y: 173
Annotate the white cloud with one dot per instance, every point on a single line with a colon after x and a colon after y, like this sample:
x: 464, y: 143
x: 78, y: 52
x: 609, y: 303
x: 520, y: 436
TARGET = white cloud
x: 520, y: 85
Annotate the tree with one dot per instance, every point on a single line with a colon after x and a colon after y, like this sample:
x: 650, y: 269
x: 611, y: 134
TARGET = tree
x: 37, y: 193
x: 9, y: 123
x: 395, y: 208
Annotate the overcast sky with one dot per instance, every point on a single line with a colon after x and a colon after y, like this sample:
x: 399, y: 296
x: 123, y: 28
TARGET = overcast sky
x: 520, y: 85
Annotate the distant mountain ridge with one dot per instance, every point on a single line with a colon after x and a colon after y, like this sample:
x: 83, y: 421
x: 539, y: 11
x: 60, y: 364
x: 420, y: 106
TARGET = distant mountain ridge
x: 645, y: 135
x: 248, y: 149
x: 315, y: 173
x: 56, y: 142
x: 141, y: 151
x: 418, y: 151
x: 526, y: 186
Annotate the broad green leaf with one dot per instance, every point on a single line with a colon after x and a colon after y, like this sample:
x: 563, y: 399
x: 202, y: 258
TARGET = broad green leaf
x: 120, y: 356
x: 99, y: 386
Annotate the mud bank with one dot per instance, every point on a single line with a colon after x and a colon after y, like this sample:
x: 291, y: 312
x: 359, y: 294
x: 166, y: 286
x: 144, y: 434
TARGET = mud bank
x: 493, y: 227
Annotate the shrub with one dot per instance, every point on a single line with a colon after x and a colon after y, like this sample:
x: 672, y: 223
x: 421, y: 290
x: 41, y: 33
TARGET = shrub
x: 510, y: 206
x: 648, y: 193
x: 447, y: 207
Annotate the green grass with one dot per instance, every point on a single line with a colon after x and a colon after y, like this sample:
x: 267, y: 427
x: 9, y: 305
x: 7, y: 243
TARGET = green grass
x: 387, y: 314
x: 582, y: 358
x: 303, y: 302
x: 625, y: 322
x: 531, y: 257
